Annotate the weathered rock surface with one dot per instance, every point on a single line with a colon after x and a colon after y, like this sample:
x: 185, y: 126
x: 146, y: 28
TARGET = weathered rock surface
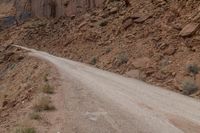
x: 189, y: 29
x: 133, y: 74
x: 127, y: 22
x: 141, y: 62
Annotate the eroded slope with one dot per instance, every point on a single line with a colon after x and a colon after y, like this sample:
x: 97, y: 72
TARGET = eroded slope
x: 143, y: 39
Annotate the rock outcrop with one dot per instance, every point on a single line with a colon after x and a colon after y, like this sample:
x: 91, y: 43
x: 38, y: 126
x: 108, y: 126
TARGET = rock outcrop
x: 58, y: 8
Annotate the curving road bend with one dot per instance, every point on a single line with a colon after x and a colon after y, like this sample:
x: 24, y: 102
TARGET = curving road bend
x: 97, y: 101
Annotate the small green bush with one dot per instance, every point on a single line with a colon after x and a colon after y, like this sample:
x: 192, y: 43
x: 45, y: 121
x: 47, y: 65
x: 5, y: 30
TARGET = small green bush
x: 189, y: 87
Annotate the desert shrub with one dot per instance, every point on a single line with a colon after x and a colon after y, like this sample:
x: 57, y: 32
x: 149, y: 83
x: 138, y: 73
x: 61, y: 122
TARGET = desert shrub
x: 93, y: 61
x: 193, y: 69
x: 25, y: 130
x: 46, y: 77
x: 48, y: 89
x: 34, y: 116
x: 103, y: 23
x: 122, y: 58
x: 108, y: 50
x: 189, y: 87
x: 43, y: 104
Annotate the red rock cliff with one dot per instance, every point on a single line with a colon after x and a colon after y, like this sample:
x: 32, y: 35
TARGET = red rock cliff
x: 59, y: 8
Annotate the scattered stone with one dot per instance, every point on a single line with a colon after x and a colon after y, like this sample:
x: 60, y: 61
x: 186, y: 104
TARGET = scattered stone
x: 197, y: 17
x: 72, y: 17
x: 163, y: 46
x: 105, y: 15
x: 161, y: 76
x: 164, y: 62
x: 127, y: 22
x: 103, y: 23
x: 133, y: 74
x: 5, y: 102
x: 141, y: 62
x: 82, y: 24
x: 140, y: 18
x: 20, y: 57
x: 170, y: 50
x: 189, y: 29
x: 177, y: 26
x: 113, y: 11
x: 8, y: 55
x: 93, y: 20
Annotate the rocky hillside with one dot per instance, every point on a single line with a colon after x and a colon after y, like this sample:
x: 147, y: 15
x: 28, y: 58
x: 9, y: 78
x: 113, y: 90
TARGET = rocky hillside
x: 22, y: 83
x: 15, y: 12
x: 44, y: 8
x: 156, y: 41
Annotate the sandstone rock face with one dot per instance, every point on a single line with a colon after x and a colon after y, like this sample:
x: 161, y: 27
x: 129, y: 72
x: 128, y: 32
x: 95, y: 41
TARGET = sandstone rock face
x: 63, y: 7
x: 189, y: 29
x: 81, y: 6
x: 47, y: 8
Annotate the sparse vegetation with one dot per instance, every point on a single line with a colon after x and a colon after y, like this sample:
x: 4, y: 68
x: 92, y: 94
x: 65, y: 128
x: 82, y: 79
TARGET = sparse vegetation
x: 93, y: 61
x: 48, y: 89
x: 46, y: 77
x: 189, y: 87
x: 43, y: 104
x: 34, y: 116
x: 193, y: 69
x: 25, y: 130
x: 122, y: 58
x: 108, y: 50
x: 103, y: 23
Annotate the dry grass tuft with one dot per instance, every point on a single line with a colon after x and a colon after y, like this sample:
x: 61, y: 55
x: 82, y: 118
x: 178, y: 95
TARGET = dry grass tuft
x: 43, y: 104
x: 48, y: 89
x: 25, y: 130
x: 34, y: 116
x: 189, y: 87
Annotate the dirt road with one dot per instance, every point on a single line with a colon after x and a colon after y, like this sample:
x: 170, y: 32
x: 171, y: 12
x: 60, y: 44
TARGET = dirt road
x: 97, y: 101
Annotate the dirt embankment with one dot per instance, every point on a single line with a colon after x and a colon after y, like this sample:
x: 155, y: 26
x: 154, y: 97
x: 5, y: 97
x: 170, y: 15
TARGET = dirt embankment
x: 22, y: 80
x: 154, y: 41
